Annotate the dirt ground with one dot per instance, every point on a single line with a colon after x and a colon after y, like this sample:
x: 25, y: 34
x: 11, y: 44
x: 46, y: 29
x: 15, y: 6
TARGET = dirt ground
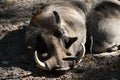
x: 14, y: 14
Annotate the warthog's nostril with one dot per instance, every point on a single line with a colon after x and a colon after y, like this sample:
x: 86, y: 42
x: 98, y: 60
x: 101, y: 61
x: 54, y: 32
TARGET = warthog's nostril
x: 69, y: 58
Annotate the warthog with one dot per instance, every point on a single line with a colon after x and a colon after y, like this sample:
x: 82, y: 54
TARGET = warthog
x: 103, y: 26
x: 57, y: 34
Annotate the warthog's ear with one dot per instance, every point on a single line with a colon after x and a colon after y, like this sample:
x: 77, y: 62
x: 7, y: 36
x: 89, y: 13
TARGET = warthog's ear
x: 69, y: 41
x: 57, y: 17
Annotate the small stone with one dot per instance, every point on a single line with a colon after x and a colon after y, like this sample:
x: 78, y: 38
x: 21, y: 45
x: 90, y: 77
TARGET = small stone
x: 28, y: 73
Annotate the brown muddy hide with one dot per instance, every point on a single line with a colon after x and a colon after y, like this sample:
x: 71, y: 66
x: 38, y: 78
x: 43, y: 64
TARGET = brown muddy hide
x: 52, y: 51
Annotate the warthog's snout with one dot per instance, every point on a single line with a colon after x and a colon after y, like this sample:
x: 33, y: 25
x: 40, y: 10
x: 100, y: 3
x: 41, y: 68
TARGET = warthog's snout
x: 60, y: 63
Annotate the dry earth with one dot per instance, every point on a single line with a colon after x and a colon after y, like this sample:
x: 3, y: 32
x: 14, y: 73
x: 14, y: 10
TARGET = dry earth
x: 14, y: 14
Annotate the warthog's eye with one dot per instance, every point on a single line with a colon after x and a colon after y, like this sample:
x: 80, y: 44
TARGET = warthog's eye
x: 57, y: 34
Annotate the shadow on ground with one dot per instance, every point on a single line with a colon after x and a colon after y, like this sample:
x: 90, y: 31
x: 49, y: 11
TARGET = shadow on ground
x: 10, y: 56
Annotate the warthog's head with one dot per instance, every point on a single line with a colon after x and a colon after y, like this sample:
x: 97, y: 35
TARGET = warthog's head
x: 51, y: 43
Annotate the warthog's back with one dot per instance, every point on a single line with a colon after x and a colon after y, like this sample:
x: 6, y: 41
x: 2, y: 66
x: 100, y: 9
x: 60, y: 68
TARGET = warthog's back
x: 104, y: 25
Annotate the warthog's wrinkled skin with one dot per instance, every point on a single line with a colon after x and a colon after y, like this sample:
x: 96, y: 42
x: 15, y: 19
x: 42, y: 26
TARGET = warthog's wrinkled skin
x: 57, y: 34
x: 103, y: 26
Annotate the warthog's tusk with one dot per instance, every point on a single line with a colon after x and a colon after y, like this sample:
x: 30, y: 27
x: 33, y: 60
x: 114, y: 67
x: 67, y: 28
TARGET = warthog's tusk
x: 39, y: 63
x: 80, y: 56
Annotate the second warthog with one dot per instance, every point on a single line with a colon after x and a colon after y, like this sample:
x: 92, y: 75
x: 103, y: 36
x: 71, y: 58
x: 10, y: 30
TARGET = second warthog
x: 103, y: 26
